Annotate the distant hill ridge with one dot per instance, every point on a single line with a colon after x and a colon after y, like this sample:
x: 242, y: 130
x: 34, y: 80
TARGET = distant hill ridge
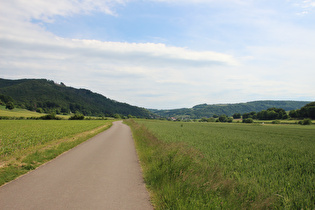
x: 34, y: 94
x: 205, y: 110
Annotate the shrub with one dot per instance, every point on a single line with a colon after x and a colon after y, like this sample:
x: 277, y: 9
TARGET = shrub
x: 237, y: 116
x: 77, y: 116
x: 276, y: 122
x: 248, y: 120
x: 305, y: 122
x: 39, y: 110
x: 223, y: 118
x: 51, y: 116
x: 203, y: 120
x: 9, y: 105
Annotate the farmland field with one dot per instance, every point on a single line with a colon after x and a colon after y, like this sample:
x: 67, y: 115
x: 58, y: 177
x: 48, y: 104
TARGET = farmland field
x: 25, y: 144
x: 18, y: 112
x: 23, y: 113
x: 18, y: 135
x: 274, y: 164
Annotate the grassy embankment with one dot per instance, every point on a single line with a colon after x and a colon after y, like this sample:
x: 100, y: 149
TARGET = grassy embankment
x: 23, y: 113
x: 26, y: 144
x: 228, y: 166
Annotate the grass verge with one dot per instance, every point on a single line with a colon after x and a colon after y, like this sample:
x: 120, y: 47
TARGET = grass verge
x: 179, y: 177
x: 21, y: 162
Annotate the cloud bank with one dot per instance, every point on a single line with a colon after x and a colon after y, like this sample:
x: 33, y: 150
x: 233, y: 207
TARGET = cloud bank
x: 152, y: 75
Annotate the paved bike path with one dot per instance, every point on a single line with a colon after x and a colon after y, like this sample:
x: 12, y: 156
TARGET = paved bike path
x: 101, y: 173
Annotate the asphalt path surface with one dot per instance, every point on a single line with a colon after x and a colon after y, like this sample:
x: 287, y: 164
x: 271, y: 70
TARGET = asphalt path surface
x: 101, y: 173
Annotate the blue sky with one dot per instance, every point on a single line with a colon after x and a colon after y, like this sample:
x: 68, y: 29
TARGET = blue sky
x: 164, y: 54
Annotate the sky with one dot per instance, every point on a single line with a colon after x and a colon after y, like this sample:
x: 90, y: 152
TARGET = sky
x: 164, y: 54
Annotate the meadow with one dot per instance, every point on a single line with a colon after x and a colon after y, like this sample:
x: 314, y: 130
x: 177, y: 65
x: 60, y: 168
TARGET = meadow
x: 26, y: 144
x: 18, y: 113
x: 221, y: 165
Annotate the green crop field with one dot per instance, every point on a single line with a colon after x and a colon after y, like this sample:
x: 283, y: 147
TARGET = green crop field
x: 264, y: 166
x: 16, y: 135
x: 26, y: 144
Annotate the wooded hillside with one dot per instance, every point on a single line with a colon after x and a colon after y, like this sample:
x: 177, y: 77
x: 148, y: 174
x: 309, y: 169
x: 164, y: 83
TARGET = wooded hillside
x: 205, y: 110
x: 45, y: 96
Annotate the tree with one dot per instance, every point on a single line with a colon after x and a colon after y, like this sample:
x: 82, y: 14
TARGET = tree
x: 64, y: 110
x: 9, y: 105
x: 237, y: 115
x: 5, y: 99
x: 223, y: 118
x: 117, y: 116
x: 252, y: 115
x: 293, y: 114
x: 77, y: 116
x: 307, y: 111
x: 39, y: 110
x: 272, y: 114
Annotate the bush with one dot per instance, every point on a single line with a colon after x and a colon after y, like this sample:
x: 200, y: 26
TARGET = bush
x: 248, y: 120
x: 223, y: 118
x: 203, y: 120
x: 77, y: 116
x: 51, y: 116
x: 305, y: 122
x: 276, y: 122
x: 9, y: 105
x: 211, y: 119
x: 4, y: 118
x: 39, y: 110
x: 237, y: 116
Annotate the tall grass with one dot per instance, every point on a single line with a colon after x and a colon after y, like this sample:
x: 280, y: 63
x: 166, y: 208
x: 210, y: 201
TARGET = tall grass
x: 254, y: 166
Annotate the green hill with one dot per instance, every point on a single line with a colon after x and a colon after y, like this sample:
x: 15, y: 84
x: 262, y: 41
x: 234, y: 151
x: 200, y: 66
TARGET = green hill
x: 46, y: 95
x: 205, y: 110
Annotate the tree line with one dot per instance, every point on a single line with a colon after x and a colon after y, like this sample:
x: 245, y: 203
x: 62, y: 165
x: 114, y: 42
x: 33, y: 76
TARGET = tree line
x: 307, y: 111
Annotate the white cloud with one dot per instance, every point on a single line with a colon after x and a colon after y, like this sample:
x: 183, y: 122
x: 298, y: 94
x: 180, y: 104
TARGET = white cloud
x: 203, y: 1
x: 148, y: 74
x: 307, y: 6
x: 46, y: 10
x: 111, y: 68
